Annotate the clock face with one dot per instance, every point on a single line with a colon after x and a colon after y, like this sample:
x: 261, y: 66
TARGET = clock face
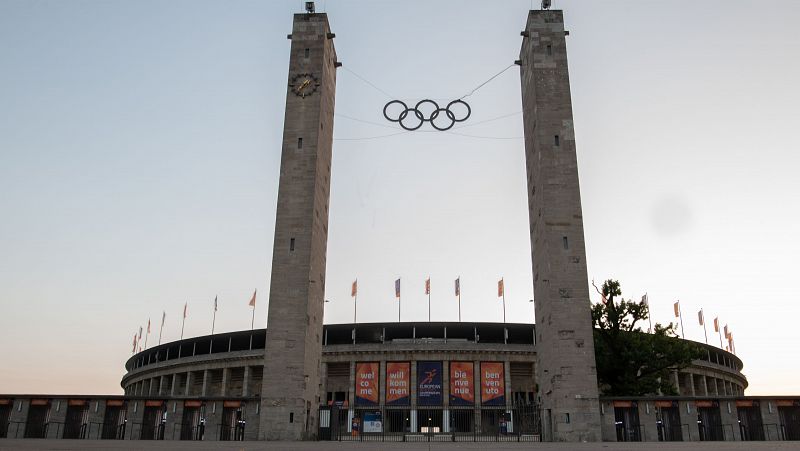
x: 304, y: 84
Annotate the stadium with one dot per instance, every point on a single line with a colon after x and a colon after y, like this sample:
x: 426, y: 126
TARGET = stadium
x: 393, y: 381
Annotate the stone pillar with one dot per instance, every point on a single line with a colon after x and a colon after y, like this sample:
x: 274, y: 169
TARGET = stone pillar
x: 294, y: 322
x: 189, y: 382
x: 204, y: 391
x: 246, y: 382
x: 225, y: 377
x: 565, y: 348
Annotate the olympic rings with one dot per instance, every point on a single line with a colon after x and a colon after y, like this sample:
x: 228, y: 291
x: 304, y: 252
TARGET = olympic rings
x: 419, y: 117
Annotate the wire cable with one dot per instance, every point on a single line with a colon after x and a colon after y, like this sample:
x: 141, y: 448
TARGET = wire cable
x: 487, y: 81
x: 369, y: 83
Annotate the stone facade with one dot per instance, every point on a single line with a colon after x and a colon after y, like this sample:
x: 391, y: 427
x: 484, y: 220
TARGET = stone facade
x: 294, y: 342
x: 566, y: 365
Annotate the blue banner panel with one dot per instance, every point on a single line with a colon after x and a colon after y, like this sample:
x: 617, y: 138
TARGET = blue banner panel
x: 429, y: 383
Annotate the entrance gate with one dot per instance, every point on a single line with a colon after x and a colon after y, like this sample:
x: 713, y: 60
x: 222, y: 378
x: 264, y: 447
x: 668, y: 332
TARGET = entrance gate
x: 519, y: 423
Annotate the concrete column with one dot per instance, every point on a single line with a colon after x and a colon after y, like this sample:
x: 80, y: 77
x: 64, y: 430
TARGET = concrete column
x: 507, y: 381
x: 188, y: 383
x: 690, y: 377
x: 204, y: 391
x: 162, y: 385
x: 174, y: 384
x: 705, y: 386
x: 246, y: 382
x: 225, y: 377
x: 676, y: 380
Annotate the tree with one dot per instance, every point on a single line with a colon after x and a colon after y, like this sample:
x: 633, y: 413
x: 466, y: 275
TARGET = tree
x: 631, y: 362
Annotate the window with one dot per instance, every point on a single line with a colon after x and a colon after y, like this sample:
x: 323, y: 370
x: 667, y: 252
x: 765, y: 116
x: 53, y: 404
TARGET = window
x: 549, y: 50
x: 291, y: 245
x: 291, y: 417
x: 566, y: 243
x: 307, y: 53
x: 299, y: 143
x: 556, y: 141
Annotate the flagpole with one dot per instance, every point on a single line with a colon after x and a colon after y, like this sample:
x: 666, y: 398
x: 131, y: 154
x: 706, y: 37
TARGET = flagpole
x: 719, y: 331
x: 161, y: 330
x: 429, y: 298
x: 355, y: 305
x: 147, y: 335
x: 399, y: 301
x: 504, y: 301
x: 183, y: 323
x: 459, y: 299
x: 680, y: 316
x: 649, y: 316
x: 253, y: 321
x: 705, y: 331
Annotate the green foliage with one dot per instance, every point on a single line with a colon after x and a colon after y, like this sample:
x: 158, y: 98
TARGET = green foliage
x: 630, y: 361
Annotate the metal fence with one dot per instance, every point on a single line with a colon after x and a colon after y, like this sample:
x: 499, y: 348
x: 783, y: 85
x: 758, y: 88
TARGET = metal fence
x: 431, y: 423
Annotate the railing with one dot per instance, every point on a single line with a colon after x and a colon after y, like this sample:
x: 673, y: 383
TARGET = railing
x: 231, y: 433
x: 430, y: 424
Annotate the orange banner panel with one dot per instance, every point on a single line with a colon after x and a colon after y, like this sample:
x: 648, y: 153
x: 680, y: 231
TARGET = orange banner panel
x: 398, y: 383
x: 462, y: 383
x: 493, y: 383
x: 367, y: 383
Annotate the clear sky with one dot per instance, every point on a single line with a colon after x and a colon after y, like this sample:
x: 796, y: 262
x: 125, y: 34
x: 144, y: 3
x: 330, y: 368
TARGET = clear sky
x: 140, y: 150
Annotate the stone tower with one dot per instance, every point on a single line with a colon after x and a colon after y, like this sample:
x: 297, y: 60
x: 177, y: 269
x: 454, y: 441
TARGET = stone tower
x: 290, y: 392
x: 565, y: 369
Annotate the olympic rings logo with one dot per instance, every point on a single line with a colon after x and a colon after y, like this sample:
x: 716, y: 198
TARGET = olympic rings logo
x: 426, y: 111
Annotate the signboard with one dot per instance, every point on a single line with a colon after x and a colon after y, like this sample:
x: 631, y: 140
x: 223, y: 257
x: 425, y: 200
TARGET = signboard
x: 155, y: 403
x: 462, y: 384
x: 367, y: 383
x: 429, y: 383
x: 398, y: 384
x: 114, y: 403
x: 231, y: 404
x: 787, y: 403
x: 704, y: 404
x: 77, y: 402
x: 746, y: 403
x: 666, y: 404
x: 373, y: 422
x: 493, y: 384
x: 5, y: 402
x: 39, y: 402
x: 624, y: 404
x: 191, y: 403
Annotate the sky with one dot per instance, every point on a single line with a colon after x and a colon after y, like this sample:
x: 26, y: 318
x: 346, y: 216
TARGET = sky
x: 140, y: 152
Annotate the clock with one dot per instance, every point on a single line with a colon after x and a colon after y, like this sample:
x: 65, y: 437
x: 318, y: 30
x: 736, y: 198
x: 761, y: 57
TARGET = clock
x: 304, y: 84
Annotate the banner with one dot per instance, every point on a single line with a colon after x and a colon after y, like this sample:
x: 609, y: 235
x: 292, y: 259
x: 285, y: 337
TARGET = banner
x: 493, y: 384
x: 462, y: 384
x: 398, y: 383
x: 429, y: 383
x: 367, y: 383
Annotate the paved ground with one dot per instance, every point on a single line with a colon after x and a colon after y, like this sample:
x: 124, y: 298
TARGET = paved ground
x: 303, y: 446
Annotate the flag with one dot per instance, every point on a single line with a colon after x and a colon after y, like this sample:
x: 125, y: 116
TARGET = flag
x: 500, y: 288
x: 700, y: 317
x: 397, y: 288
x: 458, y: 286
x: 354, y: 289
x: 252, y: 302
x: 140, y: 332
x: 215, y: 303
x: 134, y: 342
x: 185, y: 307
x: 726, y: 331
x: 428, y: 285
x: 716, y: 324
x: 645, y: 301
x: 677, y: 308
x: 148, y: 325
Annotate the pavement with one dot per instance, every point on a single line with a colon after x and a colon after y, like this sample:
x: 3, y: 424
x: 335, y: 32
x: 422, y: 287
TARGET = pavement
x: 308, y: 446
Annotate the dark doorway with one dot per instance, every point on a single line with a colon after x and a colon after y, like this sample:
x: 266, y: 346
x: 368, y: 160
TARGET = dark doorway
x: 36, y: 424
x: 114, y: 421
x: 153, y: 423
x: 492, y: 420
x: 429, y: 421
x: 397, y: 420
x: 462, y: 420
x: 751, y: 425
x: 232, y: 427
x: 668, y: 422
x: 790, y: 422
x: 193, y: 422
x: 5, y: 414
x: 626, y: 420
x: 76, y: 420
x: 709, y: 423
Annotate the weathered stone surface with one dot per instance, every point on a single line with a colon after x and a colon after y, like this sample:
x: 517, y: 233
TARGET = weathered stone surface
x: 565, y: 362
x: 294, y: 345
